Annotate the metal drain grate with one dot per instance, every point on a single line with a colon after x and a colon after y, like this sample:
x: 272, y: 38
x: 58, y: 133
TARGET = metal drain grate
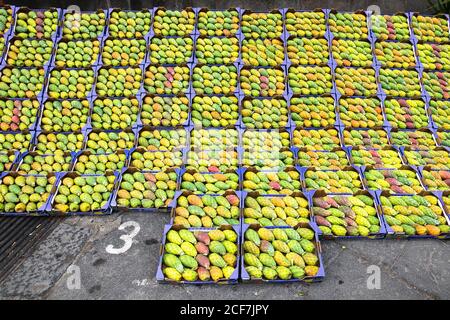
x: 18, y: 237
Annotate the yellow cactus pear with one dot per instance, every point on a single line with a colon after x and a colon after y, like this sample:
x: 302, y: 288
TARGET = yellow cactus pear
x: 310, y: 259
x: 189, y: 275
x: 281, y: 246
x: 281, y: 260
x: 311, y: 271
x: 228, y: 272
x: 189, y: 249
x: 230, y: 259
x: 172, y: 274
x: 280, y: 234
x: 216, y: 273
x: 295, y: 259
x: 217, y: 235
x: 269, y: 273
x: 230, y: 235
x: 231, y: 247
x: 265, y: 234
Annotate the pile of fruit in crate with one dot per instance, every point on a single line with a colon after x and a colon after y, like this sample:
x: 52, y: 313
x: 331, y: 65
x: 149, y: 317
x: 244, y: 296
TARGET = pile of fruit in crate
x: 260, y: 133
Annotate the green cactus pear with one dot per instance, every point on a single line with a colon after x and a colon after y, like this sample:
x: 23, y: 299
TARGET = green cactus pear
x: 269, y: 273
x: 187, y: 235
x: 188, y: 262
x: 297, y: 272
x: 173, y: 248
x: 254, y: 272
x: 267, y: 260
x: 296, y: 247
x: 251, y: 260
x: 217, y: 247
x: 252, y: 235
x: 310, y: 259
x: 172, y: 261
x: 283, y: 272
x: 217, y: 260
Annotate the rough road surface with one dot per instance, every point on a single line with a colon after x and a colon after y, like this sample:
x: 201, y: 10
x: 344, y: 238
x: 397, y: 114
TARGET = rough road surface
x: 414, y: 269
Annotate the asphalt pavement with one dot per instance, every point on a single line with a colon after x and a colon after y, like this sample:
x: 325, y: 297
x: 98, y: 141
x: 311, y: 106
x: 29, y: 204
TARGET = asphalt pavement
x: 91, y: 258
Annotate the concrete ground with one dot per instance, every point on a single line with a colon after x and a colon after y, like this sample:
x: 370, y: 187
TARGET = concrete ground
x: 415, y: 269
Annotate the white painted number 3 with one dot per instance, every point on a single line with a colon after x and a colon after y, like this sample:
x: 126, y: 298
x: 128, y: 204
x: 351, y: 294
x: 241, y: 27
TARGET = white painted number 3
x: 126, y: 238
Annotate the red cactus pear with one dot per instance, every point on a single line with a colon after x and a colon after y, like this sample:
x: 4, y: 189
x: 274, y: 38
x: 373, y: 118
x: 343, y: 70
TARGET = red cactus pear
x: 332, y: 202
x: 343, y: 201
x: 150, y: 177
x: 403, y: 103
x: 321, y: 221
x: 409, y: 125
x: 445, y: 175
x: 171, y: 70
x: 201, y: 248
x: 348, y: 212
x: 15, y: 119
x: 203, y: 261
x: 392, y: 181
x: 408, y: 117
x: 350, y: 222
x: 397, y: 189
x: 202, y: 236
x: 213, y: 169
x: 233, y: 200
x: 374, y: 153
x: 275, y: 185
x: 203, y: 274
x: 321, y: 203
